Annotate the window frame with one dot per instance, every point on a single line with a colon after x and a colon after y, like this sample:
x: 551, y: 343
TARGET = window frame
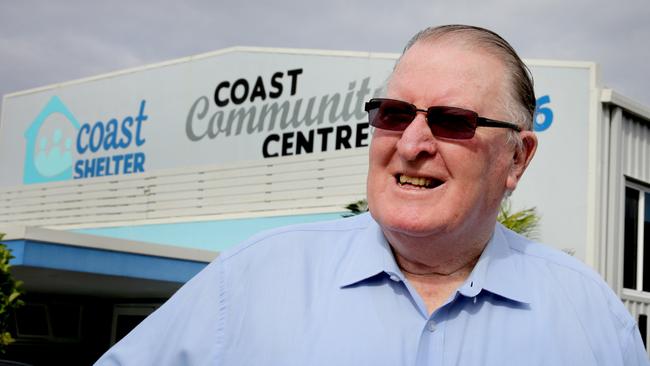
x: 644, y: 190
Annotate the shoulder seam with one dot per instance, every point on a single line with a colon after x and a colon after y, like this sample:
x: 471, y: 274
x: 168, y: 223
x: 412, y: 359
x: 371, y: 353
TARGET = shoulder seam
x: 587, y: 274
x: 280, y: 231
x: 582, y: 272
x: 628, y: 342
x: 222, y: 312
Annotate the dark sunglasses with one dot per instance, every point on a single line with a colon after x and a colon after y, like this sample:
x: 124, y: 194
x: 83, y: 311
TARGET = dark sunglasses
x: 446, y: 122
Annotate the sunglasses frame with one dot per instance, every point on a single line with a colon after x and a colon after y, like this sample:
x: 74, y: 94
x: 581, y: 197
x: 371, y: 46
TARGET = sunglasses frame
x: 472, y: 118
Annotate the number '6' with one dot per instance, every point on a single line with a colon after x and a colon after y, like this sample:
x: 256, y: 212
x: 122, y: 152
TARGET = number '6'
x: 543, y: 113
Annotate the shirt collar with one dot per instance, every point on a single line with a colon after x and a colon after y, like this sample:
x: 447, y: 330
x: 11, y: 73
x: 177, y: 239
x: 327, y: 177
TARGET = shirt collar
x: 369, y: 255
x: 496, y: 271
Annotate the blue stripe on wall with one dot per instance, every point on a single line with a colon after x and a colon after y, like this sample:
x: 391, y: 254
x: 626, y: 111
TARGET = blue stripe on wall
x: 90, y: 260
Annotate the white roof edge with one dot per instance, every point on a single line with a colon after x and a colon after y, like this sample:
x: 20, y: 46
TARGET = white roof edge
x: 592, y: 66
x: 12, y: 231
x: 299, y: 51
x: 630, y: 105
x: 306, y: 51
x: 105, y: 243
x: 560, y: 63
x: 295, y: 51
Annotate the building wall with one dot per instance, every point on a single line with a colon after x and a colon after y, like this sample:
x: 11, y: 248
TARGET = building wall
x: 629, y: 162
x: 293, y: 185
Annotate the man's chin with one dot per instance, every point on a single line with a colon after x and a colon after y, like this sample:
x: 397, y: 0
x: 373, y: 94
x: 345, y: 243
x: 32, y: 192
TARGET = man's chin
x: 410, y: 228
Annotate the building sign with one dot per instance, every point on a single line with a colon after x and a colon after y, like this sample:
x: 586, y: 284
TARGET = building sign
x: 58, y: 147
x: 229, y: 106
x: 290, y: 126
x: 225, y: 107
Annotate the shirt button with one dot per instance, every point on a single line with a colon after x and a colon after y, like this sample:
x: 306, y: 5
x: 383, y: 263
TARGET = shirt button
x: 394, y: 278
x: 431, y: 326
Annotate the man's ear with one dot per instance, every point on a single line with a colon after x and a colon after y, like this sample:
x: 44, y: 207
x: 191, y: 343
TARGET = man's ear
x: 522, y: 155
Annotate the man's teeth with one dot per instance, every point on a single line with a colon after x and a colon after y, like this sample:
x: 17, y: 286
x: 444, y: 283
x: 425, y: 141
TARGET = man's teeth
x: 422, y: 182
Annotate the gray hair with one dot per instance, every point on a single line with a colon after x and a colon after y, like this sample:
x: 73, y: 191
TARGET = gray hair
x: 520, y: 103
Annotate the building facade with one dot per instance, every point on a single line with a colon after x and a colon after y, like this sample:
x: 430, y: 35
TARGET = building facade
x: 119, y: 188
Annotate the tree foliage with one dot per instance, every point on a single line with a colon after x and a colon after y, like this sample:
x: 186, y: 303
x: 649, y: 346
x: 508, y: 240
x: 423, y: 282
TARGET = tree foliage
x: 10, y: 291
x: 524, y: 222
x: 357, y: 208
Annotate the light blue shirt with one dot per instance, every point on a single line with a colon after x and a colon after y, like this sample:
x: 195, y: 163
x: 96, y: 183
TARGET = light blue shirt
x: 331, y: 294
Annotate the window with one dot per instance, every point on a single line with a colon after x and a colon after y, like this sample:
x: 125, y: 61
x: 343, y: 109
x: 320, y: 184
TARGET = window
x: 128, y: 316
x: 636, y: 243
x: 643, y: 328
x: 57, y: 322
x: 32, y: 320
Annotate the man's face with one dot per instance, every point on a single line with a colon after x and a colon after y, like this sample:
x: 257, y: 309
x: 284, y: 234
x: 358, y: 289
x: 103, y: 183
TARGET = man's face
x: 468, y: 178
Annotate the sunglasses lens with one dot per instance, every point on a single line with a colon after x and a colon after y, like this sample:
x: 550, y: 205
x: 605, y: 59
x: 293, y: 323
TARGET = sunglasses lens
x: 452, y: 123
x: 390, y: 114
x: 445, y: 122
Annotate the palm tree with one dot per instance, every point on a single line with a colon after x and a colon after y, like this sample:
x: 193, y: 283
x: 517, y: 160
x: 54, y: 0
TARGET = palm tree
x: 524, y: 222
x: 356, y: 208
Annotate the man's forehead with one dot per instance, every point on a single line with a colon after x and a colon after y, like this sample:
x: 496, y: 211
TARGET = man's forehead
x: 446, y: 65
x: 428, y: 49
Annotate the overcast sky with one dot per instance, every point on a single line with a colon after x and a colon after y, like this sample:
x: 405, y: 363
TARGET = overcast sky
x: 45, y: 42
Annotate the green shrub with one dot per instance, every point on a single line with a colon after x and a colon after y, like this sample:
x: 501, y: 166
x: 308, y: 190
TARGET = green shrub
x: 10, y: 291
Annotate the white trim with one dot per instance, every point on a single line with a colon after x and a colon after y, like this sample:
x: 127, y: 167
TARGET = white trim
x: 203, y: 218
x: 242, y: 49
x: 560, y: 63
x: 635, y: 295
x: 2, y: 112
x: 616, y: 195
x: 275, y: 50
x: 593, y: 163
x: 630, y: 105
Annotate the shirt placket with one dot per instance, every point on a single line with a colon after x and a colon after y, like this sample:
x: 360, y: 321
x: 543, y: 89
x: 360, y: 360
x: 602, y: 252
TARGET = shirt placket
x: 432, y: 339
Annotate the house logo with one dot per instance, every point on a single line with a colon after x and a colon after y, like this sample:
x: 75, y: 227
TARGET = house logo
x: 49, y: 144
x: 59, y: 148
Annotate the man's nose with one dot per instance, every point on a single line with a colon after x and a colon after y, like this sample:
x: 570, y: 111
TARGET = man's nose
x: 417, y: 139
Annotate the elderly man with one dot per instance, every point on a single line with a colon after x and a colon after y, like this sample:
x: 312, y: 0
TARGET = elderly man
x: 428, y: 278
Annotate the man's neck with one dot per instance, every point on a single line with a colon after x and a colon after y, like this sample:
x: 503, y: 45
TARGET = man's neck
x: 436, y: 271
